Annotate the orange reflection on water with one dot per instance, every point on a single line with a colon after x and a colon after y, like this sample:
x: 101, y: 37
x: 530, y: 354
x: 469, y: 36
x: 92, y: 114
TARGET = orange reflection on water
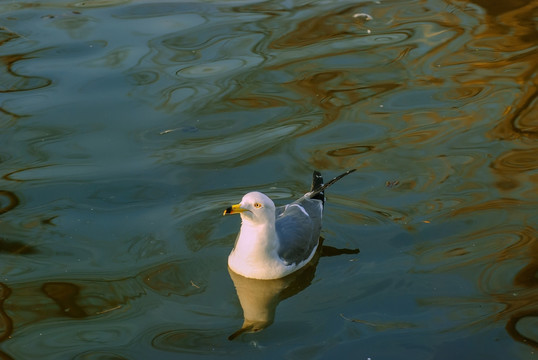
x: 443, y: 76
x: 508, y: 262
x: 515, y: 169
x: 12, y: 81
x: 6, y: 325
x: 24, y: 304
x: 321, y: 28
x: 511, y: 35
x: 520, y: 300
x: 8, y: 201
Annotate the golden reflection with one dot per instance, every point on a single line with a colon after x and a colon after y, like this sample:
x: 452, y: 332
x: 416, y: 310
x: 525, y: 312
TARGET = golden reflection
x: 351, y: 150
x: 322, y: 80
x: 171, y: 278
x: 25, y: 304
x: 8, y: 201
x: 16, y: 247
x: 463, y: 93
x: 341, y: 157
x: 520, y: 119
x: 65, y: 296
x: 7, y: 35
x: 334, y: 89
x: 486, y: 63
x: 508, y: 33
x: 333, y: 25
x: 11, y: 81
x: 258, y: 102
x: 9, y: 176
x: 37, y: 301
x: 508, y: 279
x: 520, y: 300
x: 6, y: 325
x: 515, y: 168
x: 260, y: 298
x: 497, y: 204
x: 9, y: 117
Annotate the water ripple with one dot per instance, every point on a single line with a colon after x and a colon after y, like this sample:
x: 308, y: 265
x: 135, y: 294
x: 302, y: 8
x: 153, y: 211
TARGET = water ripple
x: 194, y: 341
x: 232, y: 149
x: 13, y: 81
x: 128, y: 126
x: 9, y: 201
x: 218, y: 68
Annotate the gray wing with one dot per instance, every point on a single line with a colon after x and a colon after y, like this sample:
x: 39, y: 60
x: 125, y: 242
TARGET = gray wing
x: 298, y: 226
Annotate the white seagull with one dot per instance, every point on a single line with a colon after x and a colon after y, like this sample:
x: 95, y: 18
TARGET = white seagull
x: 275, y: 241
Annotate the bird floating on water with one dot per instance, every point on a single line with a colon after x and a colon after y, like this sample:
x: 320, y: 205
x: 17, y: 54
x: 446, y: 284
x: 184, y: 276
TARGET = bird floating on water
x: 276, y: 241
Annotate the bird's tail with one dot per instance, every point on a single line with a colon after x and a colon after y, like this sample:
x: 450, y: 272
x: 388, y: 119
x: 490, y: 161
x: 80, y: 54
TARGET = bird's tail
x: 318, y: 187
x: 317, y: 183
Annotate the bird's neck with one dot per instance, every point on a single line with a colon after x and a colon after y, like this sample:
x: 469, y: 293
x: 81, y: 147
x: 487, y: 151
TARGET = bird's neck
x: 261, y: 236
x: 256, y: 243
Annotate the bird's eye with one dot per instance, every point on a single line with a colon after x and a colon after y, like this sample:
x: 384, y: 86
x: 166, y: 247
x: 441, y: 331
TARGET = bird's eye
x: 257, y: 205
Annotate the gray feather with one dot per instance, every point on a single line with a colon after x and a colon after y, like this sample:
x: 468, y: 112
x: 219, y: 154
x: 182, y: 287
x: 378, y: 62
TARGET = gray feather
x: 298, y: 226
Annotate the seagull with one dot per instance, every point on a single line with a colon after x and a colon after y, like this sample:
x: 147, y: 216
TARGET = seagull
x: 276, y: 241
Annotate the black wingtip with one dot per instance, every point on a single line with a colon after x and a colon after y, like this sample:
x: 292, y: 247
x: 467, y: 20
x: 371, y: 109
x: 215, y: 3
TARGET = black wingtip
x: 319, y: 187
x: 317, y: 182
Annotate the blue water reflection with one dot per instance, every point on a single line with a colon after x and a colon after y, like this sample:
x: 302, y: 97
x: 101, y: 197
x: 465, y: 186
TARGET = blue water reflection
x: 127, y: 126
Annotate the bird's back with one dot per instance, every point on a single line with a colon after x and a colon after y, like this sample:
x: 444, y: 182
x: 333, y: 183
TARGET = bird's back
x: 298, y: 226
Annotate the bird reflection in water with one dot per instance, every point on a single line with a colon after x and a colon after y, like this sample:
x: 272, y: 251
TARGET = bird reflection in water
x: 260, y: 298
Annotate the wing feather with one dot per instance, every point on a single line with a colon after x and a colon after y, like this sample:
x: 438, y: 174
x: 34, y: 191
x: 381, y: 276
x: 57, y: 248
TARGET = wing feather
x: 298, y: 226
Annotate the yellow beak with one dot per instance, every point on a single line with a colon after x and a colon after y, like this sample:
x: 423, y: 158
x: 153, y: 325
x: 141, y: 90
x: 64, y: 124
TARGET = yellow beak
x: 234, y: 209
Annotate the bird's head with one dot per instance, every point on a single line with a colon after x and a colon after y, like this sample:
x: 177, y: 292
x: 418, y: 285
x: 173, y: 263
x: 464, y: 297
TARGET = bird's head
x: 255, y: 207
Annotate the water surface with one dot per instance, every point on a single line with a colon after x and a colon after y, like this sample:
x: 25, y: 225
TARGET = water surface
x: 128, y: 126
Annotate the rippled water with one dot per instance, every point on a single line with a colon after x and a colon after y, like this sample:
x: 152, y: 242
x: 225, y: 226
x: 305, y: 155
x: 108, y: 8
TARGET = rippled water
x: 128, y: 126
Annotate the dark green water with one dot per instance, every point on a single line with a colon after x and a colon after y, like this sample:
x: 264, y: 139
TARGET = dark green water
x: 126, y: 128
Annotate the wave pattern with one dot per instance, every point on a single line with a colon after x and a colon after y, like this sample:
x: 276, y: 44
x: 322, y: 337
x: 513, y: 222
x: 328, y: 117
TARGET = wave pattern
x: 127, y: 126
